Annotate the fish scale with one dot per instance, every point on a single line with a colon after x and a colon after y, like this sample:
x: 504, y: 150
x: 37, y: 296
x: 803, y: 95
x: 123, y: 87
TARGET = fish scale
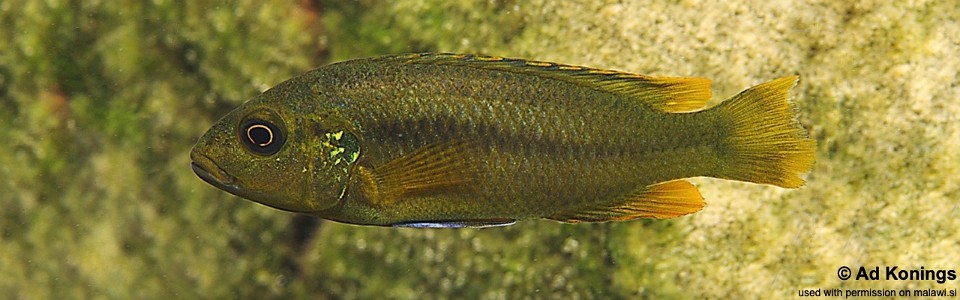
x: 456, y: 140
x: 541, y: 153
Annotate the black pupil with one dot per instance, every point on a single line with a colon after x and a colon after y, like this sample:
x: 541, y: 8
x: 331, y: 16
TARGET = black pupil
x: 260, y: 135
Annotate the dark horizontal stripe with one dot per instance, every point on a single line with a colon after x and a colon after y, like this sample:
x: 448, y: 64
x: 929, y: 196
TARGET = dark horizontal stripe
x: 423, y: 131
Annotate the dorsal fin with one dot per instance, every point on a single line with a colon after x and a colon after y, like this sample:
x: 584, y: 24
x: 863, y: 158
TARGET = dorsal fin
x: 669, y: 94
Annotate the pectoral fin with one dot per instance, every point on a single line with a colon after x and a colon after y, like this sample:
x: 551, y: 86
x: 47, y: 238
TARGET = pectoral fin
x: 434, y: 168
x: 660, y: 201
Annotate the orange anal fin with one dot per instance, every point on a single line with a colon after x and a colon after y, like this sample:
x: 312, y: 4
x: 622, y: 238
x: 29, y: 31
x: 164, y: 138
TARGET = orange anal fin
x: 659, y: 201
x: 434, y: 168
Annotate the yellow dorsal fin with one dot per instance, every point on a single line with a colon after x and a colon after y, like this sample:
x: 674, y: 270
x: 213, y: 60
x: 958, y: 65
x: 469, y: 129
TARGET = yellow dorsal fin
x: 660, y: 201
x: 669, y: 94
x: 433, y: 168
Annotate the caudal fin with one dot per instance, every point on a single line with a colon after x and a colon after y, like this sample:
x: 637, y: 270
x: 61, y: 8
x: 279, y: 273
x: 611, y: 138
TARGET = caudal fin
x: 764, y: 141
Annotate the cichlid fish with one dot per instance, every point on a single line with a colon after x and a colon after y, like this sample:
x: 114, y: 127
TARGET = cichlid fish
x: 451, y: 140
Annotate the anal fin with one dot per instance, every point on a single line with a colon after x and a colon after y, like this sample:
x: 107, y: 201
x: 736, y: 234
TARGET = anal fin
x: 659, y: 201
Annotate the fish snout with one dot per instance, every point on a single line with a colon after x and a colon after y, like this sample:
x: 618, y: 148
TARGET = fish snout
x: 207, y: 169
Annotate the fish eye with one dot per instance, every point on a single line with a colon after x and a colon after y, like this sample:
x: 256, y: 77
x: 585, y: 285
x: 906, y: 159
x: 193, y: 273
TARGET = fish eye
x: 261, y: 136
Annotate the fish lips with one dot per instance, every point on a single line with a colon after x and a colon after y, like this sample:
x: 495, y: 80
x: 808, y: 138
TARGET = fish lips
x: 207, y: 170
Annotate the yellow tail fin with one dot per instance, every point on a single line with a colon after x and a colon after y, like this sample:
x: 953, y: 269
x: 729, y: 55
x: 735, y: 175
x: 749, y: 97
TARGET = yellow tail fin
x: 764, y: 141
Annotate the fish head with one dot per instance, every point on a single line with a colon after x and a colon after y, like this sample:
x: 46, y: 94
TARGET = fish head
x: 272, y: 153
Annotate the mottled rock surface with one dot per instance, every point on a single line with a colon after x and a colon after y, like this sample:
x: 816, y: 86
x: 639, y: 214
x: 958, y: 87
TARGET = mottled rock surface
x: 100, y: 102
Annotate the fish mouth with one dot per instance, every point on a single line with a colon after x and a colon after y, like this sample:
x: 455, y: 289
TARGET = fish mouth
x: 207, y: 170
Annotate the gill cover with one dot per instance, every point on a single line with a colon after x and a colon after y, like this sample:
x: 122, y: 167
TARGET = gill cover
x: 334, y: 156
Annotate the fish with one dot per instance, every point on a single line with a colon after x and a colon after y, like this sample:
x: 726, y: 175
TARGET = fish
x: 441, y: 140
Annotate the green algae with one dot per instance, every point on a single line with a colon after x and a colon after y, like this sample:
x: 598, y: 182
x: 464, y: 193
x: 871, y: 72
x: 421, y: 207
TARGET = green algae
x: 103, y: 100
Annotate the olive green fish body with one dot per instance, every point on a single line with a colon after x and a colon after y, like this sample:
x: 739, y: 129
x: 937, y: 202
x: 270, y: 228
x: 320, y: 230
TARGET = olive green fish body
x: 462, y: 140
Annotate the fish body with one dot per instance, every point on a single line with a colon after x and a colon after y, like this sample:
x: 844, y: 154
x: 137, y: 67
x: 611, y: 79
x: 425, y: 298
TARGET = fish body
x: 451, y: 140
